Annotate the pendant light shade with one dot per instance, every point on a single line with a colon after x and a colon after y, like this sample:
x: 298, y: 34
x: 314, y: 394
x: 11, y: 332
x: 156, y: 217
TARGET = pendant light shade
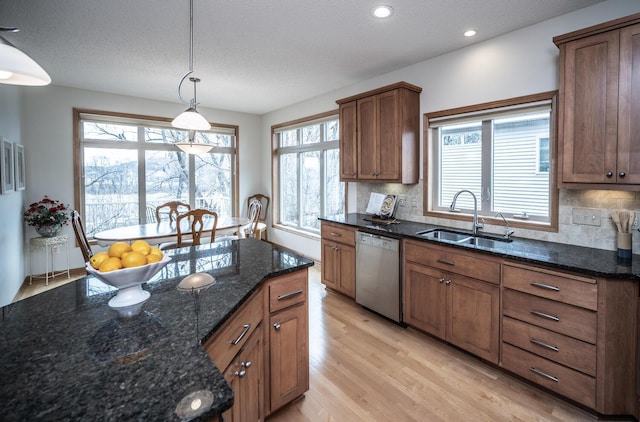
x: 190, y: 119
x: 16, y: 68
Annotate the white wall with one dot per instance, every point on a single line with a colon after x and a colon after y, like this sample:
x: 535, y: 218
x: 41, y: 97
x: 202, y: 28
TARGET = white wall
x: 11, y: 204
x: 519, y: 63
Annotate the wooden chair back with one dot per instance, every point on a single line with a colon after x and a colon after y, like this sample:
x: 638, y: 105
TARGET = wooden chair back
x: 255, y: 208
x: 175, y: 208
x: 81, y: 236
x: 264, y: 202
x: 196, y: 223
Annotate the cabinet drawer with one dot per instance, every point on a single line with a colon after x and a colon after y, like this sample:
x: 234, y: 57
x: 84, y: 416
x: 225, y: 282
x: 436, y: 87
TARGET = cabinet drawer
x: 288, y: 291
x: 234, y: 333
x: 573, y: 321
x: 559, y: 348
x: 567, y: 288
x: 555, y: 377
x: 449, y: 260
x: 338, y: 233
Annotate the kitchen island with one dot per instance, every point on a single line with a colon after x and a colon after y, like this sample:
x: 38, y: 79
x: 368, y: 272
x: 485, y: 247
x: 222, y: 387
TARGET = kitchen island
x: 67, y: 356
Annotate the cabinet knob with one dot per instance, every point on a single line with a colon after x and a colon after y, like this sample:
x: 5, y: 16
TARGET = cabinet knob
x: 246, y: 364
x: 609, y: 174
x: 441, y: 280
x: 241, y: 374
x: 276, y: 326
x: 622, y: 174
x: 447, y: 282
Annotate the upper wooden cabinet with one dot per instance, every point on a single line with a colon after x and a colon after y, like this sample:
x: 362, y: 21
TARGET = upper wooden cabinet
x: 599, y: 105
x: 379, y: 135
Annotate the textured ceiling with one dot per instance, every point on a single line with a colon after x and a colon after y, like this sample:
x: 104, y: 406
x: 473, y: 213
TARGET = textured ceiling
x: 253, y: 56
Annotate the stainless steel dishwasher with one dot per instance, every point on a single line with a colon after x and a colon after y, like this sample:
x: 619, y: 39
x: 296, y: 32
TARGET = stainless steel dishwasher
x: 378, y: 274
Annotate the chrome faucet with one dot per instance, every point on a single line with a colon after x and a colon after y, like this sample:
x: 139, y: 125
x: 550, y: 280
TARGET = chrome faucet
x: 507, y: 232
x: 476, y: 226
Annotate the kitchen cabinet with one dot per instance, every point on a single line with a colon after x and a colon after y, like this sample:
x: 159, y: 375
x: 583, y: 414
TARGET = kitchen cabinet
x: 339, y: 258
x: 571, y: 334
x: 245, y: 375
x: 288, y: 339
x: 599, y: 105
x: 441, y: 299
x: 379, y: 135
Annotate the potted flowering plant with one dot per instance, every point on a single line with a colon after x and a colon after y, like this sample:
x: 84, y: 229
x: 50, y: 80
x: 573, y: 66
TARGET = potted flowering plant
x: 47, y: 216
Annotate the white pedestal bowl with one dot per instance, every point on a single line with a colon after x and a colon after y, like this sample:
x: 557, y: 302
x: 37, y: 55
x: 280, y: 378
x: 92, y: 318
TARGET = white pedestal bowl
x: 129, y: 281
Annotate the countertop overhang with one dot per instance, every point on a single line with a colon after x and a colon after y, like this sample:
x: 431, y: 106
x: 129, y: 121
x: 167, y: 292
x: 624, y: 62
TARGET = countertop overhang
x: 591, y: 261
x: 67, y: 356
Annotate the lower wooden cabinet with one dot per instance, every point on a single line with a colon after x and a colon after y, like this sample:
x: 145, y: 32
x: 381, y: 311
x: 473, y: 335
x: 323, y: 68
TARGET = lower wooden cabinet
x: 246, y: 376
x: 339, y: 258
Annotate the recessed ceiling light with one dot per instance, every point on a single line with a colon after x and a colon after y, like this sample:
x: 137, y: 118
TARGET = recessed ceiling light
x: 469, y: 33
x: 382, y: 11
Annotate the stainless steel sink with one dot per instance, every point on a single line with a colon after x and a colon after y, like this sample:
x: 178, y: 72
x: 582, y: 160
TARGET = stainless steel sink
x: 452, y: 236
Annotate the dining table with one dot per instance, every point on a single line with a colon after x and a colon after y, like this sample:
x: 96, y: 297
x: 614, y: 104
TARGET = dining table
x: 166, y: 231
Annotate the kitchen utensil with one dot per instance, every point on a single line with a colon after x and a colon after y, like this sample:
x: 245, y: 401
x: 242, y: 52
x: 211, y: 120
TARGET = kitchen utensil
x: 615, y: 216
x: 624, y: 221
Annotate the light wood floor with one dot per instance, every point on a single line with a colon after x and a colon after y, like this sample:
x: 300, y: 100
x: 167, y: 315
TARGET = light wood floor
x: 364, y: 368
x: 38, y: 284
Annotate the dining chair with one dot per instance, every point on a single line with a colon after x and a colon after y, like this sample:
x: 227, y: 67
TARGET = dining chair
x: 261, y: 227
x: 175, y: 208
x: 195, y: 219
x: 151, y: 214
x: 249, y: 229
x: 81, y: 236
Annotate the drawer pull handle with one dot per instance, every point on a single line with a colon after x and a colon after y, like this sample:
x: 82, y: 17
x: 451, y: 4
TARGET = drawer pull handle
x: 288, y: 295
x: 545, y: 286
x: 547, y: 316
x: 334, y: 234
x: 444, y: 261
x: 244, y: 332
x: 545, y: 345
x: 547, y: 376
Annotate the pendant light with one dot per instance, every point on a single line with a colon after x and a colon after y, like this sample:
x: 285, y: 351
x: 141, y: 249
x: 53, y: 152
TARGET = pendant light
x: 16, y: 68
x: 190, y: 119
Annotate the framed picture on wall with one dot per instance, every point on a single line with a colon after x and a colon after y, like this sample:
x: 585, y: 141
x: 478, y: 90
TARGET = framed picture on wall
x: 18, y: 162
x: 6, y: 166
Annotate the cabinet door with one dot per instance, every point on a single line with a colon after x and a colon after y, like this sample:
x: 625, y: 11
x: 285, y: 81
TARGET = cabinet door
x: 629, y: 111
x: 347, y: 263
x: 425, y: 304
x: 289, y: 355
x: 389, y: 144
x: 246, y: 377
x: 473, y: 319
x: 590, y: 109
x: 330, y: 265
x: 348, y: 142
x: 367, y: 138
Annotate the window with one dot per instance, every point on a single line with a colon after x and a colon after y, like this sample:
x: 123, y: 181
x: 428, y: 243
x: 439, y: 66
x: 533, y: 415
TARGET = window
x: 500, y: 152
x: 307, y: 172
x: 127, y: 165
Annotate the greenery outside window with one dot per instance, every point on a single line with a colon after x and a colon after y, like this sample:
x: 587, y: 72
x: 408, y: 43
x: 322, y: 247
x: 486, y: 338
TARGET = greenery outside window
x: 500, y: 151
x: 306, y: 172
x: 126, y: 165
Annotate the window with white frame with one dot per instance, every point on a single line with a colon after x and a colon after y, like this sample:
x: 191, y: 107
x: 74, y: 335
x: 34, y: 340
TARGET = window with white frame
x: 501, y: 153
x: 307, y: 172
x: 127, y: 165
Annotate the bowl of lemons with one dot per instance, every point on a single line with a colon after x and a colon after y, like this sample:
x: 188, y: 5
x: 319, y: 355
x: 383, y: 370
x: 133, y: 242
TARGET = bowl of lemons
x: 126, y: 266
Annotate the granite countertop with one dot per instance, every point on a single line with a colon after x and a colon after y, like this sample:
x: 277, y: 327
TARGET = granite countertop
x: 67, y: 356
x: 591, y: 261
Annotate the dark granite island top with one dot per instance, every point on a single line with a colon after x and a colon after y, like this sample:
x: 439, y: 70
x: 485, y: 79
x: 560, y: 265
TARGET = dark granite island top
x: 595, y: 262
x: 65, y: 355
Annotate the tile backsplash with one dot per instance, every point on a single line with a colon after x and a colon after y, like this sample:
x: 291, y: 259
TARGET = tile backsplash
x: 600, y: 237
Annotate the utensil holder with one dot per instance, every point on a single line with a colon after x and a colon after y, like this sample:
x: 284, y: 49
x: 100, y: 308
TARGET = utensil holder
x: 624, y: 245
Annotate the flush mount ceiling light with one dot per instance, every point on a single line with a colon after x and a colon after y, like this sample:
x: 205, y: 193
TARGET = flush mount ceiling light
x: 469, y: 33
x: 382, y: 11
x: 16, y: 68
x: 190, y: 119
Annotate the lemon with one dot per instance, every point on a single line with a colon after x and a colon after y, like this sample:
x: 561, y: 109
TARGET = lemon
x: 151, y: 258
x: 141, y: 246
x: 156, y: 251
x: 118, y: 248
x: 134, y: 259
x: 98, y: 259
x: 110, y: 264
